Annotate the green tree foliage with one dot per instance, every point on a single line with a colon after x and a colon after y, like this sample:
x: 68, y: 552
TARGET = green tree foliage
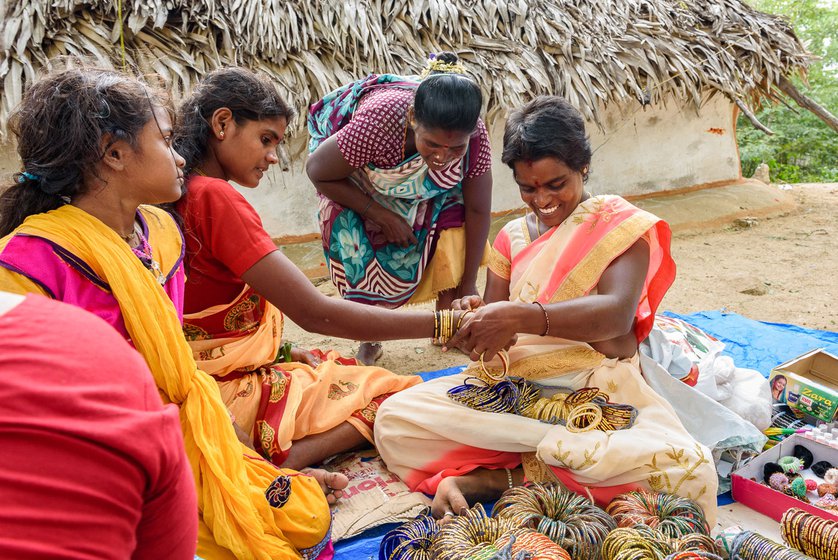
x: 803, y: 148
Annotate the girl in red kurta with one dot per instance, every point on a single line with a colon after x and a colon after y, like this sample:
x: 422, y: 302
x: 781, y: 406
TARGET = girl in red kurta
x: 238, y: 281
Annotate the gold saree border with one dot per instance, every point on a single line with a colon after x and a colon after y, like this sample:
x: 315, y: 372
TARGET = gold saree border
x: 553, y: 363
x: 588, y: 271
x: 499, y: 264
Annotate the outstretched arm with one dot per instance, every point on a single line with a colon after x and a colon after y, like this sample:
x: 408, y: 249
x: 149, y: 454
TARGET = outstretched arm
x: 278, y: 280
x: 477, y: 198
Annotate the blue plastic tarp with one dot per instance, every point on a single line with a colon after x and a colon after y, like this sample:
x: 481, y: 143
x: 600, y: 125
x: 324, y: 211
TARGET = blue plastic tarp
x: 752, y: 344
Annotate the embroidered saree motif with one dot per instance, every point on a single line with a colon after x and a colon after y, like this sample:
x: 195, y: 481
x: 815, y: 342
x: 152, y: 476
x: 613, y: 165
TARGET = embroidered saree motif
x: 279, y: 491
x: 279, y: 403
x: 341, y: 389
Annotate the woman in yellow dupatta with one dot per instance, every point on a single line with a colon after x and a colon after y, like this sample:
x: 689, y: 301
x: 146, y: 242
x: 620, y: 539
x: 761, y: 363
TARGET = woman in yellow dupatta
x: 95, y: 145
x: 579, y: 280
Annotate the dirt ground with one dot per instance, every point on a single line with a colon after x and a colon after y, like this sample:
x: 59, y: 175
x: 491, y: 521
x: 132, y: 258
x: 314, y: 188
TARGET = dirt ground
x: 778, y: 269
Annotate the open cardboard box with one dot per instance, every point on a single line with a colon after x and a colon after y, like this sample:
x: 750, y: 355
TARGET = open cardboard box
x: 765, y: 499
x: 809, y: 384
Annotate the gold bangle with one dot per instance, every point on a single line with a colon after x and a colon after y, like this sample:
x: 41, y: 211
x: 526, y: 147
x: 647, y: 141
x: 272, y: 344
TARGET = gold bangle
x: 546, y: 318
x: 460, y: 320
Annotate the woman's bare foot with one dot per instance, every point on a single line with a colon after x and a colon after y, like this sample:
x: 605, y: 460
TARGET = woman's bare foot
x: 369, y: 353
x: 332, y: 483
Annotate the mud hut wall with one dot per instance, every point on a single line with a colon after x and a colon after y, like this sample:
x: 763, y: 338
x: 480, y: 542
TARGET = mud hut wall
x: 641, y: 151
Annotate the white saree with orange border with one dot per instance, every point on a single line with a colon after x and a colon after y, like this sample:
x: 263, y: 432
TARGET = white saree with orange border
x: 425, y: 436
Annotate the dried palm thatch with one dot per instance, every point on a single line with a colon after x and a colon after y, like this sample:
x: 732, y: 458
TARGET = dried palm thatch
x: 593, y: 52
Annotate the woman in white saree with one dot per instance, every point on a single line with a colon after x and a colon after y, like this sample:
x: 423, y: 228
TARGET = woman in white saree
x: 579, y: 279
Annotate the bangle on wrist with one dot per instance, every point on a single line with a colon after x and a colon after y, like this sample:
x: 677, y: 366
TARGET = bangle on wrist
x: 546, y: 318
x: 366, y: 208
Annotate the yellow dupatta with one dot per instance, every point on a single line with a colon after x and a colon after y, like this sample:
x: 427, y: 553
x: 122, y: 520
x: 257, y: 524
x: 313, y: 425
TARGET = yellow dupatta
x: 230, y: 482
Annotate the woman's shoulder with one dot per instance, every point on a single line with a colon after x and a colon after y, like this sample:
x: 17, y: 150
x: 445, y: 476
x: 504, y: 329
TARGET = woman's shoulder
x: 386, y: 100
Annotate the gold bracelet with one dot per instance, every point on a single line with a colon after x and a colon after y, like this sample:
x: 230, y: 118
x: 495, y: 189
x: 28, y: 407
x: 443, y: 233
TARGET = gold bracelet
x: 509, y: 478
x: 546, y: 318
x: 460, y: 320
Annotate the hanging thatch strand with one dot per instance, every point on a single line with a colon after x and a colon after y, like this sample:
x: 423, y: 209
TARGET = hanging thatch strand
x: 592, y: 52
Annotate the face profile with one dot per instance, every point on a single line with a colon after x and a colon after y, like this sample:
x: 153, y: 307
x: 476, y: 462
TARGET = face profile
x: 778, y: 387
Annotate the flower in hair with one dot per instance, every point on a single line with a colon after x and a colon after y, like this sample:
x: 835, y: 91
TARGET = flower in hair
x: 435, y: 64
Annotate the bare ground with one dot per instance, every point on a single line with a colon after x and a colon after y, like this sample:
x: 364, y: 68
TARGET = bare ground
x: 779, y: 269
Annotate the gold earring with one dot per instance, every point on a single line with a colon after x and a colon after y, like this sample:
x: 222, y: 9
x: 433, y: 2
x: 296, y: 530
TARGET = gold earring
x: 221, y: 133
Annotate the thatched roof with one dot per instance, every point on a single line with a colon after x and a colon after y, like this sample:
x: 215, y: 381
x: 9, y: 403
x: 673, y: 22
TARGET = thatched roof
x: 592, y: 52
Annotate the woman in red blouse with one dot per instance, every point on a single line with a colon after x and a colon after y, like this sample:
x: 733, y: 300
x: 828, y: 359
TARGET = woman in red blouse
x: 238, y: 282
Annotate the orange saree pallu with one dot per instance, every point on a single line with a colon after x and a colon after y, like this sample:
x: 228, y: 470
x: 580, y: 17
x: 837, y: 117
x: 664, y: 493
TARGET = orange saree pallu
x: 424, y: 436
x: 279, y: 403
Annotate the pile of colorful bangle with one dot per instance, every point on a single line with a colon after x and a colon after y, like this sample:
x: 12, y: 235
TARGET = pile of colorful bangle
x: 410, y: 541
x: 813, y: 535
x: 641, y: 542
x: 569, y: 519
x: 579, y: 411
x: 549, y: 522
x: 476, y: 536
x: 753, y: 546
x: 672, y: 515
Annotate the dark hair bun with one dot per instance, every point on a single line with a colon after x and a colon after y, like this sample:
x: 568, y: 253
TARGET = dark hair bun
x: 447, y: 57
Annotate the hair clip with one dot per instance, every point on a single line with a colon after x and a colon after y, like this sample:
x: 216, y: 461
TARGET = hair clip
x: 26, y: 176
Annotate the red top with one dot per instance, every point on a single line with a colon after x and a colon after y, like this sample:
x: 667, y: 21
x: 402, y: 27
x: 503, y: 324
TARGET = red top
x: 224, y: 238
x: 376, y: 134
x: 92, y: 463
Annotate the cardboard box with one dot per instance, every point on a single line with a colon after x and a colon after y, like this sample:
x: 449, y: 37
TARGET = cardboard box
x: 747, y: 487
x: 808, y: 384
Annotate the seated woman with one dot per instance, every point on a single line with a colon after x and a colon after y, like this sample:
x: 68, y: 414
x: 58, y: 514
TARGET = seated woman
x: 96, y: 148
x: 71, y: 389
x: 229, y: 130
x: 579, y: 279
x: 403, y: 172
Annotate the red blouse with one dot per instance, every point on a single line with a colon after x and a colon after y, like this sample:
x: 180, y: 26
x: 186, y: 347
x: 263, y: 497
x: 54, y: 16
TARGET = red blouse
x: 224, y: 238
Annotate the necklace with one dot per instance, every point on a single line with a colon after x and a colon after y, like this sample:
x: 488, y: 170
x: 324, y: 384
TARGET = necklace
x: 131, y: 238
x: 144, y: 253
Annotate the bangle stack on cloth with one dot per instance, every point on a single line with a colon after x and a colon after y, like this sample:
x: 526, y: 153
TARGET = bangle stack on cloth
x: 547, y: 521
x: 813, y: 535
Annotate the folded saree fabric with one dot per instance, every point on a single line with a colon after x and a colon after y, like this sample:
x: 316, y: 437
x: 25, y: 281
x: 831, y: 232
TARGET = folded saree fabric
x: 279, y: 403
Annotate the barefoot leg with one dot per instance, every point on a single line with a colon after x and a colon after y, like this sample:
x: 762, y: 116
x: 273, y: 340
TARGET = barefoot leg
x: 445, y: 298
x: 369, y: 353
x: 313, y: 449
x: 332, y: 483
